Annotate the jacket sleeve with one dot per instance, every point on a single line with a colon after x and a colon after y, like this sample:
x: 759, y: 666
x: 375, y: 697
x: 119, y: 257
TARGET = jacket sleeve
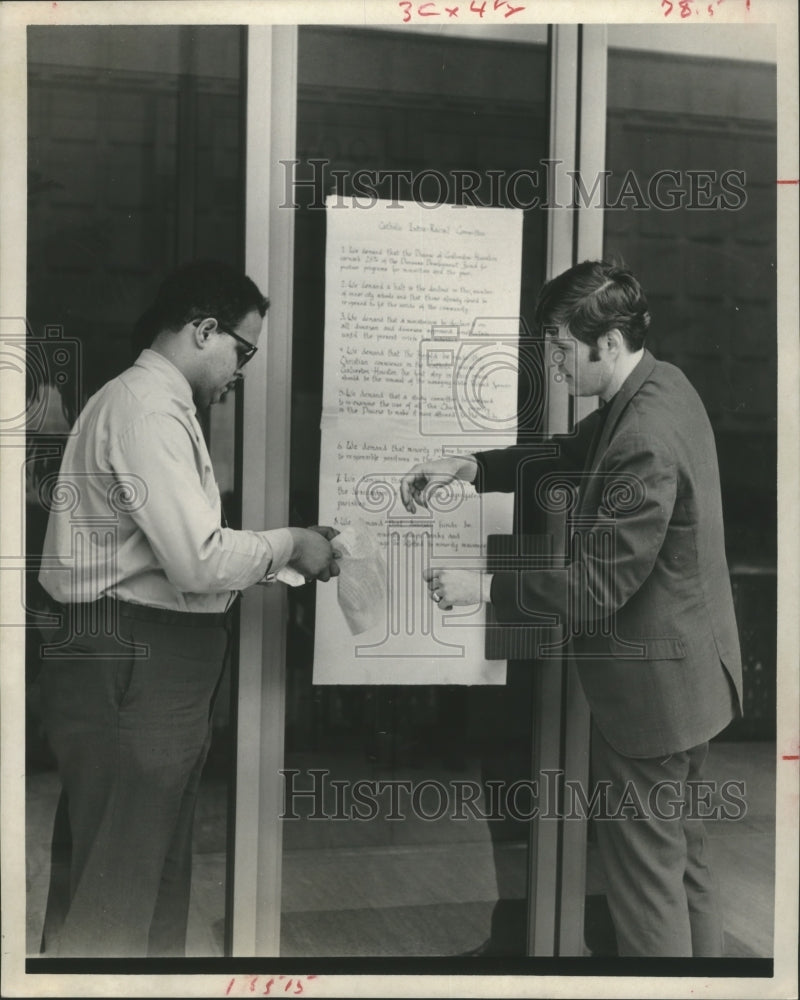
x: 612, y: 550
x: 503, y: 470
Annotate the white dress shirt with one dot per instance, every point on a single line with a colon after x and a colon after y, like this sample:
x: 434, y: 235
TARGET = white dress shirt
x: 135, y: 513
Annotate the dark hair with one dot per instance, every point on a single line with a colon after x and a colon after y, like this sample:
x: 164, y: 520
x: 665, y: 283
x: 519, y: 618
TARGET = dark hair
x: 592, y: 298
x: 197, y: 290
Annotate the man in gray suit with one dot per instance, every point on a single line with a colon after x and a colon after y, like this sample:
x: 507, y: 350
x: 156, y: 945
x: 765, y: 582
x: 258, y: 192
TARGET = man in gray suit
x: 645, y: 599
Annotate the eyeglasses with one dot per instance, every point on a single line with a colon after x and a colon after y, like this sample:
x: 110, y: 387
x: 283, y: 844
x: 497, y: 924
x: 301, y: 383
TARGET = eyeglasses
x: 245, y: 352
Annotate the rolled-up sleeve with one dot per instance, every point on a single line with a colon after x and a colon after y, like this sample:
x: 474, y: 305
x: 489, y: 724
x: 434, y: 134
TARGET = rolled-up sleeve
x: 180, y: 521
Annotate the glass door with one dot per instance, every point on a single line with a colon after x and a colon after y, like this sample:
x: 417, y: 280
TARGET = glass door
x: 404, y: 877
x: 691, y: 205
x: 135, y: 162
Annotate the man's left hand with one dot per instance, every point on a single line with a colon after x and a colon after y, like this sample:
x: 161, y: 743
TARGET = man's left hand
x: 449, y: 587
x: 325, y: 531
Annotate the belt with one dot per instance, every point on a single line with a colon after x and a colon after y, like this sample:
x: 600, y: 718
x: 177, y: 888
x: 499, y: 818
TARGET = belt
x: 148, y: 613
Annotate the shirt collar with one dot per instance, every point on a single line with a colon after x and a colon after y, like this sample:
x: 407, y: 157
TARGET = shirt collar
x: 156, y: 364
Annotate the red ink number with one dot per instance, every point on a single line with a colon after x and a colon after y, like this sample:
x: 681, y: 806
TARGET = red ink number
x: 407, y: 12
x: 686, y: 8
x: 669, y: 5
x: 252, y: 983
x: 477, y: 8
x: 511, y: 10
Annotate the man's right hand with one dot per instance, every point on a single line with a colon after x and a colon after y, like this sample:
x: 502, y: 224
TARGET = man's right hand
x: 417, y: 484
x: 313, y: 555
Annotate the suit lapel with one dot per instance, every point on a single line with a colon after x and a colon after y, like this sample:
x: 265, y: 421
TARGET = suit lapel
x: 632, y: 384
x: 617, y: 406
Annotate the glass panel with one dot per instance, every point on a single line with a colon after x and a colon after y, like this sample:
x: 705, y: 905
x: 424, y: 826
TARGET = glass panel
x: 380, y: 101
x: 704, y: 249
x: 134, y: 166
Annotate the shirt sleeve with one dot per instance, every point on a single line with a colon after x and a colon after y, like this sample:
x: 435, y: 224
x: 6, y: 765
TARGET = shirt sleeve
x: 181, y: 522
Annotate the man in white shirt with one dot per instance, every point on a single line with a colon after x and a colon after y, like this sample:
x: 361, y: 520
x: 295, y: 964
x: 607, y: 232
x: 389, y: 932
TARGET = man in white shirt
x: 138, y: 555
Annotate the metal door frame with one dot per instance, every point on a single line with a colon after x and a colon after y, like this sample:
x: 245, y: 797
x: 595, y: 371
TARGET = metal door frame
x: 558, y: 849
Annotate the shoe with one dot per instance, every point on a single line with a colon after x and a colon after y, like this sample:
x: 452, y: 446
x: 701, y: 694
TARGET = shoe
x: 487, y: 949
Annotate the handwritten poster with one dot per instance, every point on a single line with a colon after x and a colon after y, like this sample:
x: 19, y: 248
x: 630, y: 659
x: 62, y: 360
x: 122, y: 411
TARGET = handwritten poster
x: 421, y: 337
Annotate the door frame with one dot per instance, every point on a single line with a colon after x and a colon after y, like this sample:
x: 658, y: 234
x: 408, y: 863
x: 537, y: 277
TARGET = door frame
x: 271, y: 95
x: 577, y: 139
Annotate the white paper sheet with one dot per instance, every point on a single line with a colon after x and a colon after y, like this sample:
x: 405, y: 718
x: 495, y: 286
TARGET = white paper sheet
x: 420, y: 360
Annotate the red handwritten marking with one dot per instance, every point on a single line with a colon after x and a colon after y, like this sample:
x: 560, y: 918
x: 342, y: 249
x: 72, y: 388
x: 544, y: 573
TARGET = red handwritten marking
x: 689, y: 8
x: 788, y: 182
x: 432, y: 8
x: 249, y: 984
x: 791, y: 756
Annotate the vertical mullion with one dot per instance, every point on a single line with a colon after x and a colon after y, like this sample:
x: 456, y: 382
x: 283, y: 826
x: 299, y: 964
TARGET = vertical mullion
x: 560, y: 219
x: 543, y: 882
x: 269, y: 254
x: 591, y: 146
x: 589, y: 245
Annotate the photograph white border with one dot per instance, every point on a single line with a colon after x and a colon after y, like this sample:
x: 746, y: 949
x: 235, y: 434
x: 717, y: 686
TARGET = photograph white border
x: 14, y: 18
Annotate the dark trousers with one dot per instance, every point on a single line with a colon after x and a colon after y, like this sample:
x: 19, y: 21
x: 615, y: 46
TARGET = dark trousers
x: 661, y: 891
x: 130, y: 734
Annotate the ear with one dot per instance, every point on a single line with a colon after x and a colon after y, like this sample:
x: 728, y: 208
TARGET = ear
x: 614, y: 340
x: 201, y: 330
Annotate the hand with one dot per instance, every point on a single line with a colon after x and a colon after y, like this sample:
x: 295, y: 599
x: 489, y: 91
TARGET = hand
x: 312, y: 554
x: 454, y: 586
x: 418, y: 483
x: 325, y: 531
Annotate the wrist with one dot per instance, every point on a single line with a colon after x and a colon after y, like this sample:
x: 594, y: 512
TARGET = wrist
x: 298, y: 542
x: 468, y: 469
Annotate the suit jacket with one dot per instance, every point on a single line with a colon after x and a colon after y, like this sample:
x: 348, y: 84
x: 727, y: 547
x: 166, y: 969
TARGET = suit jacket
x: 645, y: 597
